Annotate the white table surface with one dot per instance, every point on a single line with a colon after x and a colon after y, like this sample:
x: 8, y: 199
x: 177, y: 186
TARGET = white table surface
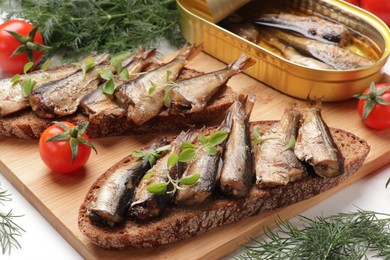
x: 42, y: 241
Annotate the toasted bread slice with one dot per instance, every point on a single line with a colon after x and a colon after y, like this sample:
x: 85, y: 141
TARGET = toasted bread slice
x: 27, y: 125
x: 180, y: 223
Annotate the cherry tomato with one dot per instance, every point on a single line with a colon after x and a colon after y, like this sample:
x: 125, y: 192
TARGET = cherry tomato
x: 379, y: 117
x: 57, y: 154
x: 380, y: 8
x: 8, y: 44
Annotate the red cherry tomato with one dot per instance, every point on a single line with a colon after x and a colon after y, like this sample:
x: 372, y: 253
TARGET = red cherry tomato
x: 380, y: 8
x: 379, y: 117
x: 57, y: 155
x: 8, y: 44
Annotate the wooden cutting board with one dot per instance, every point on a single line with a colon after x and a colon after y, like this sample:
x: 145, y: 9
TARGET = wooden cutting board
x: 58, y: 197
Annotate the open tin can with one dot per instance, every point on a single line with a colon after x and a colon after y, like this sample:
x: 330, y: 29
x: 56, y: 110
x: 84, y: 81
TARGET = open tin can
x: 201, y: 22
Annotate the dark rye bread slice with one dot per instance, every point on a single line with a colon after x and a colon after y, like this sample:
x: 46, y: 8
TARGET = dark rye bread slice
x: 180, y: 223
x: 27, y: 125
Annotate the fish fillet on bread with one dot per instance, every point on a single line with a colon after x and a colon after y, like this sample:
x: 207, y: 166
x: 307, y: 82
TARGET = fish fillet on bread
x: 183, y: 222
x: 28, y: 124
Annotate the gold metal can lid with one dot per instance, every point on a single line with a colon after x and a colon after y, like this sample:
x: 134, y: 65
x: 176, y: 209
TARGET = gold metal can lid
x: 216, y: 10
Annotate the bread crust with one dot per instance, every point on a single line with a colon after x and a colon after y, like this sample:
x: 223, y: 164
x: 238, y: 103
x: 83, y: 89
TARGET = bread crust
x: 180, y: 223
x: 28, y: 125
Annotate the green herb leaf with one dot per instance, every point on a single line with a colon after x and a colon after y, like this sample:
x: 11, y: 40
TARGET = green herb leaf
x: 117, y: 25
x: 138, y: 154
x: 387, y: 183
x: 187, y: 145
x: 151, y: 155
x: 152, y: 88
x: 202, y: 139
x: 10, y: 231
x: 291, y: 143
x: 173, y: 159
x: 210, y: 149
x: 116, y: 60
x: 124, y: 75
x: 15, y: 79
x: 169, y: 74
x: 27, y: 67
x: 190, y: 180
x: 46, y: 65
x: 147, y: 175
x: 27, y: 86
x: 158, y: 188
x: 217, y: 137
x: 345, y: 236
x: 210, y: 143
x: 89, y: 65
x: 109, y: 87
x: 167, y: 97
x: 187, y: 155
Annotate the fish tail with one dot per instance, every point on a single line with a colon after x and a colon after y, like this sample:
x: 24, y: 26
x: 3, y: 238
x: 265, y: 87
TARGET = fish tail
x: 248, y: 105
x: 227, y: 123
x: 242, y: 63
x: 150, y: 54
x: 100, y: 58
x: 186, y: 136
x: 189, y: 51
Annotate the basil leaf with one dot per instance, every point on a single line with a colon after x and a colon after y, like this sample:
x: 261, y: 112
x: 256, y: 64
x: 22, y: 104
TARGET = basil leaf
x: 109, y: 87
x: 190, y: 180
x: 187, y: 155
x: 217, y: 137
x: 202, y: 139
x: 210, y: 149
x: 27, y: 67
x: 124, y: 75
x: 27, y: 86
x: 147, y: 175
x: 158, y: 188
x: 152, y: 87
x: 15, y: 79
x: 138, y: 154
x: 89, y: 65
x: 167, y: 97
x: 172, y: 160
x: 186, y: 145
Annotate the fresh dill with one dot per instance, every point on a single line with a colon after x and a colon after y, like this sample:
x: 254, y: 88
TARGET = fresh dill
x: 10, y: 231
x: 342, y: 236
x: 77, y: 27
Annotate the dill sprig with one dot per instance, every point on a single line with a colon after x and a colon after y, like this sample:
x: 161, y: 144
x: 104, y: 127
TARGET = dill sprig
x: 78, y: 27
x: 10, y: 231
x: 342, y: 236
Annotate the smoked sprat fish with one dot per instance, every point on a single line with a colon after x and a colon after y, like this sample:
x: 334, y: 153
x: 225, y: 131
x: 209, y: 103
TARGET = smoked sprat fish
x: 293, y: 55
x: 315, y: 145
x: 99, y: 105
x: 191, y: 95
x: 143, y: 97
x: 62, y: 97
x: 111, y: 202
x: 310, y: 26
x: 147, y: 205
x: 275, y: 162
x: 335, y: 56
x: 207, y: 166
x: 237, y: 170
x: 11, y: 95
